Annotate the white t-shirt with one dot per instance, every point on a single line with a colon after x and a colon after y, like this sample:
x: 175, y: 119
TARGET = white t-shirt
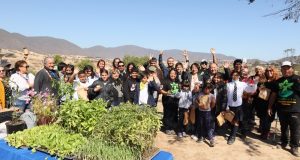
x: 20, y: 83
x: 143, y: 98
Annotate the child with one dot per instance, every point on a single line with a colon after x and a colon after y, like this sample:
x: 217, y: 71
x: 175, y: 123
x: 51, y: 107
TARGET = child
x: 185, y: 101
x: 81, y: 86
x: 144, y: 91
x: 206, y: 102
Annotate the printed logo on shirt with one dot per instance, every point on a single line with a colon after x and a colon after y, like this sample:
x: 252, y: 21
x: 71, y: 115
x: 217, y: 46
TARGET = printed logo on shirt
x: 286, y: 93
x: 285, y: 89
x: 174, y: 88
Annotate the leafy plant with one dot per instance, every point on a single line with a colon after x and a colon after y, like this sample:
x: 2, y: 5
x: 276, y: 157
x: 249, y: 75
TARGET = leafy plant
x: 129, y: 125
x: 81, y: 116
x: 65, y: 90
x: 45, y: 107
x: 53, y: 138
x: 96, y: 149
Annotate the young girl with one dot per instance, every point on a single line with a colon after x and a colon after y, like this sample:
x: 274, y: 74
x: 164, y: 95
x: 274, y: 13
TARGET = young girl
x: 144, y: 91
x: 170, y: 103
x: 102, y: 88
x: 81, y: 86
x: 206, y: 102
x: 185, y: 101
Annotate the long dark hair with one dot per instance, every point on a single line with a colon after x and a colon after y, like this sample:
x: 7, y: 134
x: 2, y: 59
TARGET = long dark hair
x: 127, y: 67
x: 89, y: 67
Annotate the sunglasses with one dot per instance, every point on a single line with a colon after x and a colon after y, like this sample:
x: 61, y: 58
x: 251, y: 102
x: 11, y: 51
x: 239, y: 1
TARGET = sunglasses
x: 121, y: 65
x: 25, y: 66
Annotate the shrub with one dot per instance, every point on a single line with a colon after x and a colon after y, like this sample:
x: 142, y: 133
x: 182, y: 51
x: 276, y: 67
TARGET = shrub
x: 81, y: 116
x: 84, y: 62
x: 136, y: 60
x: 129, y: 125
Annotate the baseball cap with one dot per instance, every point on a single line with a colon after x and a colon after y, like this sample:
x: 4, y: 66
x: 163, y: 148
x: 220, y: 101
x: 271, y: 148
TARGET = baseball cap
x: 152, y: 69
x: 286, y: 63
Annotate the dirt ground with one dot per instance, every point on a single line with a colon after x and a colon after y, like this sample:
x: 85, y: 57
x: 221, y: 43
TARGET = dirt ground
x: 252, y: 148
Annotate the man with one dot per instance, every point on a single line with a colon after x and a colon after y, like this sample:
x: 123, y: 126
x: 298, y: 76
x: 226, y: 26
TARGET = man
x: 44, y: 78
x: 286, y: 93
x: 121, y: 68
x: 170, y: 63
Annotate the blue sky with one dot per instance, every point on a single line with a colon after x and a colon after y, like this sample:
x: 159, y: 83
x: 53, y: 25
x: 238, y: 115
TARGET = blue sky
x: 231, y: 26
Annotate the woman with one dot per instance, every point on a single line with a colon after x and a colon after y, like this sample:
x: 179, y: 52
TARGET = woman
x: 5, y: 91
x: 129, y: 68
x: 195, y: 76
x: 118, y: 85
x: 21, y: 84
x: 115, y: 63
x: 182, y: 75
x: 91, y: 75
x: 103, y: 89
x: 100, y: 66
x: 69, y: 73
x: 170, y: 87
x: 261, y: 100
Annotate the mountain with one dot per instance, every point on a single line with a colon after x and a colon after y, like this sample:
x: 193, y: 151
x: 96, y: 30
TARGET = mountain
x: 50, y: 45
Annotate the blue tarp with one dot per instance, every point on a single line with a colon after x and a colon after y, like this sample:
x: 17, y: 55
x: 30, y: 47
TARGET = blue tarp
x: 11, y: 153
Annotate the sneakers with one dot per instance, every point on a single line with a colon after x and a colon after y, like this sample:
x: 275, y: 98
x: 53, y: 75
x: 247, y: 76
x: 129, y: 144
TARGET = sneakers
x: 184, y: 134
x: 170, y: 132
x: 200, y: 140
x: 179, y: 135
x: 230, y: 141
x: 194, y: 137
x: 295, y: 151
x: 282, y: 146
x: 212, y: 143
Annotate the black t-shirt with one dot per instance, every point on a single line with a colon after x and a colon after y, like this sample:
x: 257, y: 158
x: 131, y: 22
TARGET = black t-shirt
x: 288, y: 93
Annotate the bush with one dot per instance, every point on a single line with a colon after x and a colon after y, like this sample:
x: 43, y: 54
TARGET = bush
x: 129, y: 125
x: 81, y: 116
x: 136, y: 60
x: 84, y: 62
x: 54, y: 139
x: 96, y: 149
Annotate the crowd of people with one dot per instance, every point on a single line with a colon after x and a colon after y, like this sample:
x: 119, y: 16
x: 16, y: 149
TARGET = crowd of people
x: 192, y: 95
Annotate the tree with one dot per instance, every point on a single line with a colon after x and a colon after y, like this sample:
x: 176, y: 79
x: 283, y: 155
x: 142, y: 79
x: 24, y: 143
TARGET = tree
x: 136, y: 60
x: 58, y: 59
x: 291, y: 12
x: 84, y: 62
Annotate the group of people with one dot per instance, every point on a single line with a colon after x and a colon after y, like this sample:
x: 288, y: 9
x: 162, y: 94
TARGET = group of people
x: 192, y: 95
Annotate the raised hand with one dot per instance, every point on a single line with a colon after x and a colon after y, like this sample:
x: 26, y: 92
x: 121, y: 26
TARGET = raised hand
x: 161, y: 52
x: 150, y: 56
x: 226, y: 64
x: 185, y: 53
x: 213, y: 51
x: 141, y: 68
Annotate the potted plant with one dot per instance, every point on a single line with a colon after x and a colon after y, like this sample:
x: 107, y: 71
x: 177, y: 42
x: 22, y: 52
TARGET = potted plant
x: 15, y: 124
x: 45, y: 108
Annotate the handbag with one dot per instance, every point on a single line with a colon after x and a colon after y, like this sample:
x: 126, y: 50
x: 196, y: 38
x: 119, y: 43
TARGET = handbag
x: 220, y: 119
x: 229, y: 115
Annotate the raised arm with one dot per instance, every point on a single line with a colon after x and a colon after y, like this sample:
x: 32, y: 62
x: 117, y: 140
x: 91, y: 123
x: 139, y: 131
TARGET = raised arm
x: 213, y: 53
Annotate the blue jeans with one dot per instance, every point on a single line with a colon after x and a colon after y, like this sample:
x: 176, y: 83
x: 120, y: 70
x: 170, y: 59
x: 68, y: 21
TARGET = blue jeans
x: 21, y: 104
x: 204, y: 124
